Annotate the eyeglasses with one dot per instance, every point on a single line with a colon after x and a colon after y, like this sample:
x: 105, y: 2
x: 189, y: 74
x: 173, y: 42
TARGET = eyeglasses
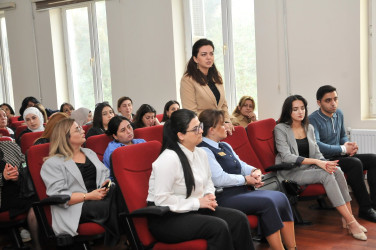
x: 248, y: 106
x: 78, y: 129
x: 196, y: 129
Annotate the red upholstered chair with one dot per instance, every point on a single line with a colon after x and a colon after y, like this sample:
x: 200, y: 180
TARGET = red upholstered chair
x: 98, y: 143
x: 11, y: 226
x: 28, y: 139
x: 4, y: 132
x: 154, y: 133
x: 86, y: 231
x: 18, y: 131
x: 16, y: 124
x: 132, y: 167
x: 261, y: 138
x: 5, y: 139
x: 86, y: 128
x: 13, y: 119
x: 159, y: 117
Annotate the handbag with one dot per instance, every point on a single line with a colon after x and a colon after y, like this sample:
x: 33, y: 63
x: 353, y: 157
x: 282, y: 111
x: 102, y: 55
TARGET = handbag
x: 292, y: 187
x: 271, y: 182
x: 25, y: 183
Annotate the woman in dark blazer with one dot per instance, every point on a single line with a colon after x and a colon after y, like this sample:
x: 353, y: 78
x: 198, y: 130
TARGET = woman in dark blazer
x: 201, y: 86
x: 235, y: 177
x: 77, y: 172
x: 296, y: 143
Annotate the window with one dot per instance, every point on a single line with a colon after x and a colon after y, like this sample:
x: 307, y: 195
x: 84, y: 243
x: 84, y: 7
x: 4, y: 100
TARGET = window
x: 6, y: 92
x: 87, y: 56
x: 230, y: 25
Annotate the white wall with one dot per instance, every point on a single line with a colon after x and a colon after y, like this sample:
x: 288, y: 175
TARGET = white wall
x: 147, y: 52
x: 323, y: 47
x: 142, y: 56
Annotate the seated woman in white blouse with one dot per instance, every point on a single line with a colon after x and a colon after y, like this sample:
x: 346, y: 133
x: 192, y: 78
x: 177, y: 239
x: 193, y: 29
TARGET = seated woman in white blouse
x: 181, y: 180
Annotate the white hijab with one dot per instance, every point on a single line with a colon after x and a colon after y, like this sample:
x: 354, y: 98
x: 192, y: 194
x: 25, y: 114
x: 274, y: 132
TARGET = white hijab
x: 36, y: 112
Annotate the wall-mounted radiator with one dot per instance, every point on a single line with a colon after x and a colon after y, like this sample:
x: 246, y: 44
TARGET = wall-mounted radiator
x: 365, y: 138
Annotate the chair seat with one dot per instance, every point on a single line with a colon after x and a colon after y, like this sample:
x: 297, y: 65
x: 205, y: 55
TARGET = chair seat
x: 314, y: 190
x: 253, y: 221
x: 4, y: 217
x: 192, y: 244
x: 90, y: 228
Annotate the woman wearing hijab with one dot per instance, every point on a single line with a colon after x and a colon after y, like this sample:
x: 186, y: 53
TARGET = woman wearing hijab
x: 82, y: 116
x: 34, y: 121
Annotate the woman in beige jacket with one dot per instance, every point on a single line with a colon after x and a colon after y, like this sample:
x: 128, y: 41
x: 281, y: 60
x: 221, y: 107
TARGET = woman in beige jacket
x: 202, y: 86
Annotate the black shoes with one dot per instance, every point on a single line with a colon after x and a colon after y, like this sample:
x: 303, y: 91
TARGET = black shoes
x: 369, y: 215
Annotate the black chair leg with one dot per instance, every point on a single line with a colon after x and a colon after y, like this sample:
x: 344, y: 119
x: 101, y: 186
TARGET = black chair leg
x: 298, y: 220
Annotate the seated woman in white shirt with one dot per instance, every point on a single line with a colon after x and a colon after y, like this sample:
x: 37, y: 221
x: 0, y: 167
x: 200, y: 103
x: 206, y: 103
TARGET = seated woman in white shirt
x: 181, y: 180
x: 235, y: 176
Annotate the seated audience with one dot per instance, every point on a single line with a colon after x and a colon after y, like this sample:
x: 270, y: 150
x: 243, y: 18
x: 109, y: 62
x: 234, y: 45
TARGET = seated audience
x: 125, y: 107
x: 34, y: 121
x: 77, y: 172
x: 55, y: 118
x: 30, y: 101
x: 235, y: 176
x: 169, y: 108
x: 4, y: 122
x: 145, y: 117
x: 82, y: 116
x: 102, y: 115
x: 243, y: 113
x: 296, y: 143
x: 11, y: 159
x: 181, y: 180
x: 66, y: 108
x: 27, y: 102
x: 8, y: 110
x: 121, y: 130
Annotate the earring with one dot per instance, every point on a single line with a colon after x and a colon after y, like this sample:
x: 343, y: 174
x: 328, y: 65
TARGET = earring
x: 198, y: 66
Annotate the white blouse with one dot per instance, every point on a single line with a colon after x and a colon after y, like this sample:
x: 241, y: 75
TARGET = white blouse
x: 167, y: 184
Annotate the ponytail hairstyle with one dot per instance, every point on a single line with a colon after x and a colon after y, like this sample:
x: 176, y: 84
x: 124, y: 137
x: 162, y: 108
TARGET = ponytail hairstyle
x: 179, y: 122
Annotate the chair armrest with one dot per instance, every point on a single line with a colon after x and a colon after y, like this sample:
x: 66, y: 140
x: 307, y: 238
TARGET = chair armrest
x: 282, y: 166
x: 145, y: 211
x: 55, y: 200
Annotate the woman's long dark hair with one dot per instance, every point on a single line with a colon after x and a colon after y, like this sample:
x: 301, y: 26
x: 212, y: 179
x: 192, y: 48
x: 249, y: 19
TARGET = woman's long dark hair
x: 287, y: 110
x: 166, y: 108
x: 195, y: 73
x: 144, y: 108
x: 179, y: 122
x: 98, y: 120
x: 25, y: 102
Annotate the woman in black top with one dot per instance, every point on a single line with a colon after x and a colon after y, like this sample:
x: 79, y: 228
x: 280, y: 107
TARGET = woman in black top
x: 102, y: 115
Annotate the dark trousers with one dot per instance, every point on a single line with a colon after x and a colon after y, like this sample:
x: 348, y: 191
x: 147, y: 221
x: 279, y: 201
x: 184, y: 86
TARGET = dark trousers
x: 224, y: 228
x: 353, y: 167
x: 271, y: 207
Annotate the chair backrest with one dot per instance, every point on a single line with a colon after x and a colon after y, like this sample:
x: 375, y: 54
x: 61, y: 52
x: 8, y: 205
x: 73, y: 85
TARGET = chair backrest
x: 5, y: 138
x: 261, y: 137
x: 35, y: 156
x: 154, y: 133
x: 19, y: 129
x: 28, y: 139
x: 13, y: 119
x: 159, y: 117
x: 98, y: 143
x: 86, y: 128
x: 132, y: 167
x: 239, y: 142
x: 16, y: 124
x: 4, y: 132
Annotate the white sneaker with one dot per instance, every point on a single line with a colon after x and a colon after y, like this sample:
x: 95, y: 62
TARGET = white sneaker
x: 25, y: 235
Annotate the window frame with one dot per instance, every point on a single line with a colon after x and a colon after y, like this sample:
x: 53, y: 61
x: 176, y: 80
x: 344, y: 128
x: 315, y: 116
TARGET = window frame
x: 7, y: 88
x: 94, y: 50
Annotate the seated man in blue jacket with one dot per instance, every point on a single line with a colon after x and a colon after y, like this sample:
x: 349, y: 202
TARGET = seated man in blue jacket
x: 335, y: 145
